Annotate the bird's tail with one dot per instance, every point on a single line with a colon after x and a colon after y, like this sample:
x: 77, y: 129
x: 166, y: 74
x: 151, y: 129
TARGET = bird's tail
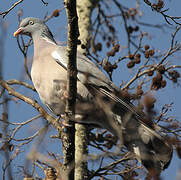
x: 154, y: 152
x: 150, y: 148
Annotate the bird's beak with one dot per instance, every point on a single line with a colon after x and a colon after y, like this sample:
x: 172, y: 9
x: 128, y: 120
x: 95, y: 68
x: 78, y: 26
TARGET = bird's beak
x: 17, y: 32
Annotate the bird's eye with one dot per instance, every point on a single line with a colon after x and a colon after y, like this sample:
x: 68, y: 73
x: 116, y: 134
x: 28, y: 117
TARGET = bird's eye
x: 31, y: 22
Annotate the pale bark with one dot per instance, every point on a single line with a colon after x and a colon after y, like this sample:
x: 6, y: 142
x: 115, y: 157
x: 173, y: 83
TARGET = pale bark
x: 84, y: 10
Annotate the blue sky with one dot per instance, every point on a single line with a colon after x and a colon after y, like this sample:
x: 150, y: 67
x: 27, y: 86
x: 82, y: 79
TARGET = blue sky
x: 13, y: 60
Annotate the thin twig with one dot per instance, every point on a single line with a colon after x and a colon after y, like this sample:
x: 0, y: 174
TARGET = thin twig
x: 12, y: 7
x: 33, y: 103
x: 15, y: 82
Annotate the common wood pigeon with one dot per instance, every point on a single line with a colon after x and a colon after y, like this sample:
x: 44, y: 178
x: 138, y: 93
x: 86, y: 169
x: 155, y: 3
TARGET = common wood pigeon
x: 97, y: 101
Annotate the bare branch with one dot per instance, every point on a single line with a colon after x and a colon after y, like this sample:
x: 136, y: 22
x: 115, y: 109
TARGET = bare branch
x: 33, y: 103
x: 45, y: 3
x: 12, y: 7
x: 69, y: 135
x: 158, y: 8
x: 15, y: 82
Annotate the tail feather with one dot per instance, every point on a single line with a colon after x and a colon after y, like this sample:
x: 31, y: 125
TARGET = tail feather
x: 154, y: 152
x: 149, y: 147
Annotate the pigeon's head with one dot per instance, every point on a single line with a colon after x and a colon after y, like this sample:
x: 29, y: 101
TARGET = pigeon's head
x: 30, y: 25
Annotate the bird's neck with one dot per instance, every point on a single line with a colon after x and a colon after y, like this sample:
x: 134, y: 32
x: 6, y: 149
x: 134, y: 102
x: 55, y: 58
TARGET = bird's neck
x: 42, y: 43
x: 47, y: 35
x: 43, y: 34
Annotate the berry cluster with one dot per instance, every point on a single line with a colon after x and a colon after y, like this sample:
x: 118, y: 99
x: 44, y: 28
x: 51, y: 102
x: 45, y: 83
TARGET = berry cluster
x: 134, y: 59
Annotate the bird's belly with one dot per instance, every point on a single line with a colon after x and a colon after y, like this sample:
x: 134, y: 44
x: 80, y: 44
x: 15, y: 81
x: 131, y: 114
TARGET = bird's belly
x: 51, y: 91
x: 53, y: 96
